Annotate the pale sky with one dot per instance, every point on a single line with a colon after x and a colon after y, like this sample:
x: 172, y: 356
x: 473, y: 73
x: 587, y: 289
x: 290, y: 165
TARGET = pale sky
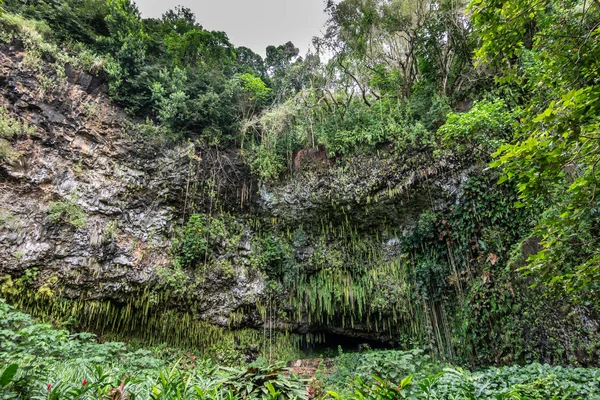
x: 252, y: 23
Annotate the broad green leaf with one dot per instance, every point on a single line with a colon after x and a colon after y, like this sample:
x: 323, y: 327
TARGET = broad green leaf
x: 8, y: 375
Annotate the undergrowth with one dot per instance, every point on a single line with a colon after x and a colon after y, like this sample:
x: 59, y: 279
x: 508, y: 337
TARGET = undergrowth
x: 413, y: 375
x: 55, y: 364
x: 39, y: 361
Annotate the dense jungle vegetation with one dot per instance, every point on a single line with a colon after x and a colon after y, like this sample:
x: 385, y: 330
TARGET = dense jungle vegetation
x: 46, y: 363
x: 492, y: 297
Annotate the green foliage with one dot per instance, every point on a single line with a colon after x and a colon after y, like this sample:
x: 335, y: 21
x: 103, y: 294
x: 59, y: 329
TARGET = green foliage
x: 41, y: 352
x: 224, y: 269
x: 9, y: 129
x: 173, y: 283
x: 68, y: 211
x: 197, y: 242
x: 180, y: 72
x: 111, y: 230
x: 363, y: 37
x: 12, y: 127
x: 379, y: 389
x: 43, y: 362
x: 134, y: 55
x: 33, y: 33
x: 266, y: 164
x: 128, y: 42
x: 462, y: 255
x: 267, y: 382
x: 273, y: 256
x: 256, y: 88
x: 394, y: 72
x: 427, y: 105
x: 8, y: 374
x: 482, y: 129
x: 279, y: 63
x: 553, y: 158
x: 17, y: 287
x: 433, y: 381
x: 170, y: 101
x: 534, y: 381
x: 80, y: 20
x: 7, y: 153
x: 388, y: 365
x: 196, y: 84
x: 363, y: 129
x: 37, y: 38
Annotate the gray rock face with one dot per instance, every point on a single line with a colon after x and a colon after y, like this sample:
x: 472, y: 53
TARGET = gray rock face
x: 369, y: 192
x: 133, y: 193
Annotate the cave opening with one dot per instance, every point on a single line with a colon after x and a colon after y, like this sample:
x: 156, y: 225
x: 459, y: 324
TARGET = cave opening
x: 328, y: 345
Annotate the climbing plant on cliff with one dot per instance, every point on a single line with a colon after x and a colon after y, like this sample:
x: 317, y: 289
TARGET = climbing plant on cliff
x: 552, y: 48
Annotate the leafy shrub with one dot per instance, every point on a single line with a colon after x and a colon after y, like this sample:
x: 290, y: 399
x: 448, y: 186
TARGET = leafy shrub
x: 363, y: 129
x: 266, y: 164
x: 54, y: 364
x: 170, y: 99
x: 7, y: 153
x: 173, y: 282
x: 79, y: 20
x: 8, y: 374
x: 379, y: 389
x: 47, y: 357
x: 483, y: 128
x: 12, y: 127
x: 9, y: 129
x: 197, y: 242
x: 387, y: 375
x: 260, y: 381
x: 390, y: 365
x: 33, y: 33
x: 256, y: 88
x: 68, y: 212
x: 533, y: 381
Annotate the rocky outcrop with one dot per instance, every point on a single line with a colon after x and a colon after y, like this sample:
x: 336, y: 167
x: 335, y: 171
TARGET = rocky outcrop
x: 368, y: 191
x: 85, y: 152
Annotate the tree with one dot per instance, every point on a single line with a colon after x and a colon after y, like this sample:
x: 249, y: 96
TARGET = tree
x: 127, y: 42
x: 445, y: 46
x: 279, y: 58
x: 278, y: 62
x: 248, y: 62
x: 387, y: 46
x: 255, y: 95
x: 72, y: 21
x: 552, y: 48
